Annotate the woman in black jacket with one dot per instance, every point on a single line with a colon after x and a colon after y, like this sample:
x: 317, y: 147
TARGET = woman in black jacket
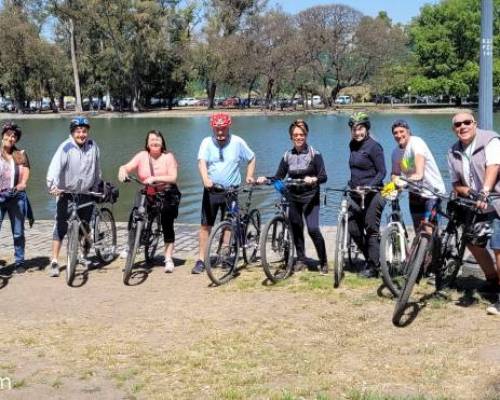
x: 367, y: 166
x: 304, y: 162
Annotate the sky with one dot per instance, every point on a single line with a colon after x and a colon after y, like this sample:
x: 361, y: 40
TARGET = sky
x: 398, y: 10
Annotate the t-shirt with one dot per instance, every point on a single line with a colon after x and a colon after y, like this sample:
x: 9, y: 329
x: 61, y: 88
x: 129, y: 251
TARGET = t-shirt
x: 403, y: 163
x: 223, y: 163
x: 492, y: 155
x: 162, y: 165
x: 6, y: 174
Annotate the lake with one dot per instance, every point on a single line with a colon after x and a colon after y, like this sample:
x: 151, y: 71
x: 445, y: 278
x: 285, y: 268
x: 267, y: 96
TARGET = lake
x: 120, y: 138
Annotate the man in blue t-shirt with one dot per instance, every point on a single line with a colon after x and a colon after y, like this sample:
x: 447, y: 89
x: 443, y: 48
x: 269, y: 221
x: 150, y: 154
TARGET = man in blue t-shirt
x: 219, y: 160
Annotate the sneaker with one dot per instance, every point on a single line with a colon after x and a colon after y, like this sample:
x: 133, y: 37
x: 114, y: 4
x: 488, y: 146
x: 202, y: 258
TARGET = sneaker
x: 494, y: 309
x: 299, y: 265
x: 198, y: 268
x: 323, y: 269
x: 20, y: 268
x: 369, y: 272
x: 54, y: 269
x: 169, y: 265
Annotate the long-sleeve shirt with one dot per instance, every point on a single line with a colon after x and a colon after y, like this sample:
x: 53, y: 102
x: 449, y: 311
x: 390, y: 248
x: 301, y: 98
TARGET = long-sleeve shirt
x: 367, y: 163
x: 75, y: 168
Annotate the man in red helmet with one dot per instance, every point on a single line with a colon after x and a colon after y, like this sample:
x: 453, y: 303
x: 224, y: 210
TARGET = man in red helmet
x: 219, y: 160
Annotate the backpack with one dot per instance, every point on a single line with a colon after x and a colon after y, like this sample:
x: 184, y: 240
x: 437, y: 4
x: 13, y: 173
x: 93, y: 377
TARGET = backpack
x: 110, y: 191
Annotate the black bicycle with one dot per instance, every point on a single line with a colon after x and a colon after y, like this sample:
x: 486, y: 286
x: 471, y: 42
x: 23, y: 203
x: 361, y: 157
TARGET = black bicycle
x: 277, y: 247
x: 144, y: 226
x: 99, y: 234
x: 440, y: 252
x: 239, y: 230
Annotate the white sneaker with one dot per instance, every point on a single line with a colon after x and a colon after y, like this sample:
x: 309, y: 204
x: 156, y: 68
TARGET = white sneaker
x: 494, y: 309
x: 169, y: 265
x: 54, y: 269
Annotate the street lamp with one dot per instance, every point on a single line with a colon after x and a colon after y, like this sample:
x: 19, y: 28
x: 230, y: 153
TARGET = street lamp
x: 486, y: 66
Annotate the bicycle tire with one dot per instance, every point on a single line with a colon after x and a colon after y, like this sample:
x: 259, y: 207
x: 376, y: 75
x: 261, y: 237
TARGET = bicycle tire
x: 105, y: 235
x: 414, y: 267
x: 339, y: 257
x: 221, y: 256
x: 391, y: 258
x: 151, y: 237
x: 134, y: 242
x: 252, y: 237
x: 447, y: 269
x: 277, y: 260
x: 72, y: 251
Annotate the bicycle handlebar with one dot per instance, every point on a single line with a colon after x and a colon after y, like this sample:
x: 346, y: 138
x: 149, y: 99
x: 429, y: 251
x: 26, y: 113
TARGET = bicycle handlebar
x: 137, y: 180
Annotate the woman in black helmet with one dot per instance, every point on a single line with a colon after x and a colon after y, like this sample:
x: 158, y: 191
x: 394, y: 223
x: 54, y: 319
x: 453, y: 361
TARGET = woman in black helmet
x: 302, y: 161
x: 367, y: 166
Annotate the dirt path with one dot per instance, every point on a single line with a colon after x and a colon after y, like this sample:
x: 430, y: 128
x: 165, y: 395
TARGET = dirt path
x: 174, y: 337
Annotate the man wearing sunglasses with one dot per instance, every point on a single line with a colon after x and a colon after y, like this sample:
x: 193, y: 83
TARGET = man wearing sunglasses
x: 474, y: 162
x: 219, y: 159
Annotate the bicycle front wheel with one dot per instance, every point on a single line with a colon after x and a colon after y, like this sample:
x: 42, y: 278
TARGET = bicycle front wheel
x: 340, y: 253
x: 134, y: 242
x: 414, y: 269
x: 252, y: 237
x: 221, y: 256
x: 105, y: 235
x: 151, y: 238
x: 72, y: 251
x: 392, y: 258
x: 277, y: 249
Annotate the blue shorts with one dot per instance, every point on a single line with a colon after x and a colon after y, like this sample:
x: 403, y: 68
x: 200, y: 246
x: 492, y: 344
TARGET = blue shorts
x: 495, y: 237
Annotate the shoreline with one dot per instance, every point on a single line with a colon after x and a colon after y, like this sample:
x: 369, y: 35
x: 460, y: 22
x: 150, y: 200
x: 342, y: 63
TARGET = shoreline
x: 203, y: 112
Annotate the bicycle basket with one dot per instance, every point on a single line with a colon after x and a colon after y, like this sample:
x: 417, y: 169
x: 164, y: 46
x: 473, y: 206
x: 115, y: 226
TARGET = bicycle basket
x: 110, y: 191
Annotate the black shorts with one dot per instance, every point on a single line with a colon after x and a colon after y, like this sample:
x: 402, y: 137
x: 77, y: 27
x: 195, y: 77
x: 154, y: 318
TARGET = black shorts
x: 211, y: 204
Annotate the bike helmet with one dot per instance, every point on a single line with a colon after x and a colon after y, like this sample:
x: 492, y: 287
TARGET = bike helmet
x: 78, y: 121
x: 220, y: 120
x: 480, y: 234
x: 10, y: 126
x: 359, y: 118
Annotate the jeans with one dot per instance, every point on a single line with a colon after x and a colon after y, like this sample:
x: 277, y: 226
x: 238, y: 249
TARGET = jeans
x: 15, y: 206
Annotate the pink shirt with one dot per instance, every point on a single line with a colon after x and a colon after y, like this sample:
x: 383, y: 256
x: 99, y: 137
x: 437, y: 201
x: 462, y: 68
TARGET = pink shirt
x: 163, y: 165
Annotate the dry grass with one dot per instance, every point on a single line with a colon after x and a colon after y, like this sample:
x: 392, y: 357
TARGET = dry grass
x: 176, y: 338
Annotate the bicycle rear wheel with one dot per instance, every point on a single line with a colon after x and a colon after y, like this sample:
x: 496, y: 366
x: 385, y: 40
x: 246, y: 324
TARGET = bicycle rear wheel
x: 151, y: 237
x: 136, y: 225
x: 340, y: 253
x: 105, y: 235
x: 277, y: 249
x: 221, y: 256
x: 252, y: 237
x: 392, y: 258
x: 414, y: 269
x: 72, y: 251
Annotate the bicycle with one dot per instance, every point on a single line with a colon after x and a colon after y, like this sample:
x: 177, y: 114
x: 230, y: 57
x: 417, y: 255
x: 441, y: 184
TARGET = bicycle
x: 239, y: 229
x: 100, y: 234
x: 393, y: 247
x: 144, y: 227
x: 277, y: 246
x: 443, y: 251
x: 345, y: 248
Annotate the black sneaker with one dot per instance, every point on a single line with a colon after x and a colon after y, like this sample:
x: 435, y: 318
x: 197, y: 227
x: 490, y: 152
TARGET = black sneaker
x: 198, y: 268
x: 20, y: 268
x: 369, y: 272
x: 323, y: 269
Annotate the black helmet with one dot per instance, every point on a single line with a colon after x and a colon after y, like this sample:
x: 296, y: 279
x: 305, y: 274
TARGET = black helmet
x: 11, y: 126
x: 78, y: 121
x: 359, y: 118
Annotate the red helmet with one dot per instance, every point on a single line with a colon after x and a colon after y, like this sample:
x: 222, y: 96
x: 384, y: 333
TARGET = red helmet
x: 220, y: 120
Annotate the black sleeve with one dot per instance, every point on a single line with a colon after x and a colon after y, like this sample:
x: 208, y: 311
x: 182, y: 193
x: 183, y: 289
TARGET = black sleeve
x: 282, y: 169
x: 319, y: 168
x: 377, y: 156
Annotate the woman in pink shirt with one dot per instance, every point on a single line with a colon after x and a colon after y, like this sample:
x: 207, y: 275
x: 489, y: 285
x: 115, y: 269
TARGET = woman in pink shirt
x: 155, y: 165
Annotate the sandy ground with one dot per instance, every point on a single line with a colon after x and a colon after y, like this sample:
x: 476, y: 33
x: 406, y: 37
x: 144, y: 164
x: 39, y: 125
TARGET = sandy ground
x: 173, y: 336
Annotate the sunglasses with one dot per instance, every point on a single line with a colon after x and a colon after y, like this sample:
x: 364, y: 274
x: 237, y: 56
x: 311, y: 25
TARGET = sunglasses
x: 467, y: 122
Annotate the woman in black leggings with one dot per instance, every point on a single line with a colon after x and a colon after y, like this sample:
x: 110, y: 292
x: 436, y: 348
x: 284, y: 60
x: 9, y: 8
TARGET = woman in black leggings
x: 304, y: 162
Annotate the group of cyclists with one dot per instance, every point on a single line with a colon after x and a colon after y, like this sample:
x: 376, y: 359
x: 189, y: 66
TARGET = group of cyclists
x: 474, y: 162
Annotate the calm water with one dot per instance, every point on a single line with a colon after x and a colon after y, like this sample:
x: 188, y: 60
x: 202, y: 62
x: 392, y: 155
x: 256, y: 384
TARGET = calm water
x: 119, y: 139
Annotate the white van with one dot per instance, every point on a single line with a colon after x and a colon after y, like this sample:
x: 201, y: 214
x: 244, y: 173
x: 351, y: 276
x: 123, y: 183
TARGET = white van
x: 343, y: 100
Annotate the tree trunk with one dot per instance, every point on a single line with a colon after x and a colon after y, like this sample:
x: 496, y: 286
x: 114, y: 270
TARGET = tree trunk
x: 74, y: 64
x: 269, y: 92
x: 211, y: 87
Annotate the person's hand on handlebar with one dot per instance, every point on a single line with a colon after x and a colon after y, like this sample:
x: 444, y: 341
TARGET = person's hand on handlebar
x: 150, y: 180
x: 207, y: 183
x: 310, y: 180
x: 122, y: 174
x: 261, y: 180
x: 55, y: 191
x: 400, y: 184
x: 250, y: 180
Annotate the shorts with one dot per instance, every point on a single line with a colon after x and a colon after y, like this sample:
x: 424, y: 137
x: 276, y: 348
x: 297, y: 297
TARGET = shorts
x: 213, y: 203
x: 421, y: 208
x: 495, y: 236
x: 62, y: 214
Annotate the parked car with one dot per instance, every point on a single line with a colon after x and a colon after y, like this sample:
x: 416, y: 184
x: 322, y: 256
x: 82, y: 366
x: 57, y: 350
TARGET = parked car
x: 8, y: 106
x: 187, y: 101
x: 314, y: 101
x: 231, y: 102
x: 343, y: 100
x: 201, y: 103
